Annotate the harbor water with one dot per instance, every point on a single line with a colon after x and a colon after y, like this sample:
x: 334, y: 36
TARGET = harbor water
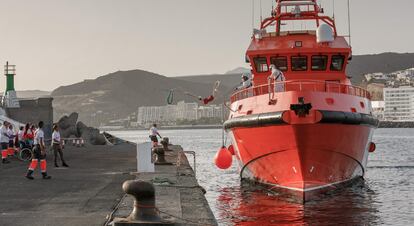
x: 385, y: 197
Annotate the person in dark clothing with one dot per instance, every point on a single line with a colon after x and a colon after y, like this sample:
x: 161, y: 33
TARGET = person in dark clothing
x: 57, y: 146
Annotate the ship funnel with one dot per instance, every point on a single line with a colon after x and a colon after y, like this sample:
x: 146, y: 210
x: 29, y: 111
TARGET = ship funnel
x: 324, y: 34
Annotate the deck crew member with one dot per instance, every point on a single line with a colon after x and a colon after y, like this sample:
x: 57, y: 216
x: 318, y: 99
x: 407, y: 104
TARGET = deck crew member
x: 4, y: 142
x: 39, y: 154
x: 57, y: 146
x: 153, y: 135
x: 246, y: 83
x: 277, y: 77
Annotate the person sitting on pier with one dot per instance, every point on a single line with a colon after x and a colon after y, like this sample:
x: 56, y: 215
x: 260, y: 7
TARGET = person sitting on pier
x: 153, y: 135
x: 4, y: 141
x: 39, y: 154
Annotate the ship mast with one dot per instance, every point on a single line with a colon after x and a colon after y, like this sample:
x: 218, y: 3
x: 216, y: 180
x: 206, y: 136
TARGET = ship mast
x: 281, y: 13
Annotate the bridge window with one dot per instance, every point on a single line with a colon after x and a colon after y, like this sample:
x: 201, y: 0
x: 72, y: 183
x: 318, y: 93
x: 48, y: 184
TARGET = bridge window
x: 280, y: 63
x: 299, y: 63
x: 319, y: 63
x: 261, y: 64
x: 337, y: 63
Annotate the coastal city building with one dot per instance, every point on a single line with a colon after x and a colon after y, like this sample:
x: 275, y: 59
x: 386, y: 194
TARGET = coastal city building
x: 171, y: 114
x: 378, y: 109
x: 399, y: 104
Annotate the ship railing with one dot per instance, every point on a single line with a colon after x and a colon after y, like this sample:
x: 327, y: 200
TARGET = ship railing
x: 300, y: 85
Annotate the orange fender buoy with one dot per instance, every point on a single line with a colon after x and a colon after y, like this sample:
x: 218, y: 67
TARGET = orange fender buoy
x: 231, y: 149
x: 372, y: 147
x: 223, y: 158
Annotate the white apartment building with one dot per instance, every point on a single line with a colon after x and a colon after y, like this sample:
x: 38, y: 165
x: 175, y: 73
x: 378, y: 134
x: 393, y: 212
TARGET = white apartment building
x: 169, y: 114
x: 399, y: 104
x: 212, y: 111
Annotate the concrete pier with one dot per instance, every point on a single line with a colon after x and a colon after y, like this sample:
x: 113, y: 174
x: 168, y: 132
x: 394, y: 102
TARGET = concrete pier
x: 89, y: 192
x: 179, y: 197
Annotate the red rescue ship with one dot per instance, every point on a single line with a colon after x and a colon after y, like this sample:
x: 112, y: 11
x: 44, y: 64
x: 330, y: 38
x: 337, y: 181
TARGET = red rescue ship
x: 312, y: 131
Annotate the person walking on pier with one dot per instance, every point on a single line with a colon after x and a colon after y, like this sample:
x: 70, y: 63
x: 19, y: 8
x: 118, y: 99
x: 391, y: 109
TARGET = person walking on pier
x: 4, y: 142
x: 39, y: 154
x: 11, y: 135
x: 20, y: 138
x: 57, y: 146
x: 153, y: 135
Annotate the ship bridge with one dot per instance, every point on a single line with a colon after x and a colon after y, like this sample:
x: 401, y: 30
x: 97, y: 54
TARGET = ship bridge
x: 318, y: 54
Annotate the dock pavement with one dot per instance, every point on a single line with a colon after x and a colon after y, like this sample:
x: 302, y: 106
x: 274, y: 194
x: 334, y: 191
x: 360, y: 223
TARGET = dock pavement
x: 89, y: 192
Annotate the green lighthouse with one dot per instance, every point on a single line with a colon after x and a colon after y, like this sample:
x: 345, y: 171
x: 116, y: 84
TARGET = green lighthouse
x: 10, y: 72
x: 10, y: 97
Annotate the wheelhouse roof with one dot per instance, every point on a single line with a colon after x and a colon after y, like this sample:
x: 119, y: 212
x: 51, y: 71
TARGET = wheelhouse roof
x: 286, y: 43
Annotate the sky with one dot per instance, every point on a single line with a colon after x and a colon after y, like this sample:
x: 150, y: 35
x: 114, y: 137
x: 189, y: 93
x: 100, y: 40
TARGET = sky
x: 61, y: 42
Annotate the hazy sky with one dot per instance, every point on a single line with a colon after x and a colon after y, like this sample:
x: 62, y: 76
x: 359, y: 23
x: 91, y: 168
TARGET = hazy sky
x: 59, y: 42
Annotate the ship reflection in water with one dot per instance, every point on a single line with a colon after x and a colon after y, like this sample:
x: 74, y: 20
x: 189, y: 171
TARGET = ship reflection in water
x: 253, y: 205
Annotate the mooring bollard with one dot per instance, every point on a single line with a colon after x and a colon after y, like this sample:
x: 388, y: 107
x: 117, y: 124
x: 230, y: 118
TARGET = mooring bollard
x: 160, y: 155
x: 144, y: 201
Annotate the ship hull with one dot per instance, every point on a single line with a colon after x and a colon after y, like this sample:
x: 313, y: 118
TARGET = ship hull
x: 303, y: 160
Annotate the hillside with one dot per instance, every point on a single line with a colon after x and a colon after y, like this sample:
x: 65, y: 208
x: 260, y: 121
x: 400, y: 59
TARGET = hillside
x: 384, y: 62
x: 118, y: 94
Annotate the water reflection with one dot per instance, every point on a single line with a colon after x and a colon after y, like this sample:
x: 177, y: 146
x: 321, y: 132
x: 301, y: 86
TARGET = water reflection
x: 253, y: 205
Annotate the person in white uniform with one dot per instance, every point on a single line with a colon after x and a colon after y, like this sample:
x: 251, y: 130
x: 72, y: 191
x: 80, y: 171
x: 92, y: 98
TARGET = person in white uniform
x: 277, y: 77
x: 57, y: 146
x: 245, y: 83
x: 39, y: 152
x: 4, y: 141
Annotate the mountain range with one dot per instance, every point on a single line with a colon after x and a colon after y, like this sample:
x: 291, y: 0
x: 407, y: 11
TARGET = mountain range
x: 117, y: 95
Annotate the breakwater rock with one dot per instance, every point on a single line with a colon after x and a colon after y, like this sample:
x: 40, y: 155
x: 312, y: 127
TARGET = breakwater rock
x: 71, y: 127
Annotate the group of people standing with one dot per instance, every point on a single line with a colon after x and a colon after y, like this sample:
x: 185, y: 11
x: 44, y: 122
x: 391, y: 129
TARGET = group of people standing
x: 34, y: 138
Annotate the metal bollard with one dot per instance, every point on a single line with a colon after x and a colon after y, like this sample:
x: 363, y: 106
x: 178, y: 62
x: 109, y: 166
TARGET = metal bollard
x: 160, y: 155
x: 166, y: 140
x: 144, y: 201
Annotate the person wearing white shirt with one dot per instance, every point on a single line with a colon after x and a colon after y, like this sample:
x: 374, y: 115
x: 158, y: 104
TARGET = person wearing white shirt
x: 278, y: 77
x: 246, y: 83
x: 153, y: 133
x: 20, y: 137
x: 39, y: 154
x: 4, y: 142
x: 10, y: 134
x: 57, y: 146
